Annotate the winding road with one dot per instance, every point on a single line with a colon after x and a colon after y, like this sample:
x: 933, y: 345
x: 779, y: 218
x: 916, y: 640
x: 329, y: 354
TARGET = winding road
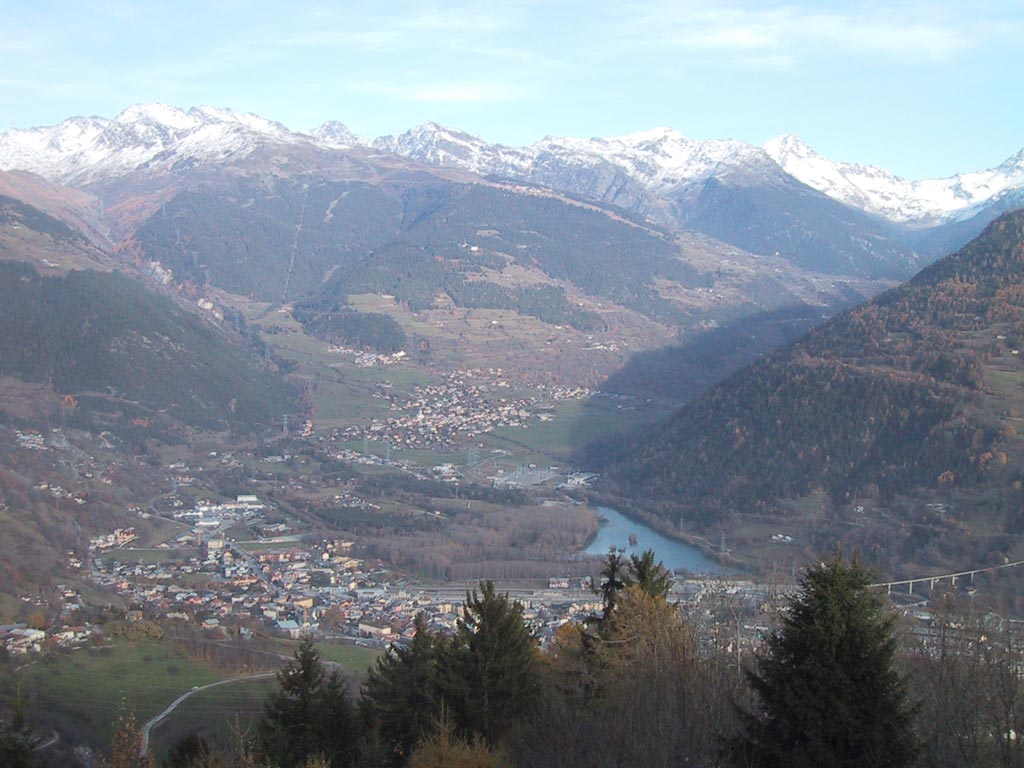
x: 144, y: 743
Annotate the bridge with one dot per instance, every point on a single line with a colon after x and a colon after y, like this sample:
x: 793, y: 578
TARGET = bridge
x: 931, y: 581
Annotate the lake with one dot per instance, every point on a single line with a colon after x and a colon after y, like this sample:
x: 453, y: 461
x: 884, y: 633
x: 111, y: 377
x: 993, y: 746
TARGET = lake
x: 673, y: 553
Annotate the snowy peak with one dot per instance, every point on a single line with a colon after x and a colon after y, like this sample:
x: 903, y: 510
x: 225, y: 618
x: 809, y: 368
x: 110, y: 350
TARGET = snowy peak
x: 642, y: 171
x: 336, y: 135
x: 661, y: 159
x: 872, y: 189
x: 83, y: 150
x: 651, y: 161
x: 162, y: 115
x: 447, y: 147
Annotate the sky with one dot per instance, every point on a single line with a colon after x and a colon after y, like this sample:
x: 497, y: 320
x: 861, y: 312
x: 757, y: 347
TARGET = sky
x: 923, y: 89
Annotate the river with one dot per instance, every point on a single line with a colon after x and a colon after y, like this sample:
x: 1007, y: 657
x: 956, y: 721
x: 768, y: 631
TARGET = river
x: 616, y: 529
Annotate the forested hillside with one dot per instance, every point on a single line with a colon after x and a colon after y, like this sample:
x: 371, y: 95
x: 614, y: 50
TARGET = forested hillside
x: 917, y: 392
x: 125, y: 356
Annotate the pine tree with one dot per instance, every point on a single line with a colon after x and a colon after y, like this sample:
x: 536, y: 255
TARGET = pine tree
x: 491, y: 676
x: 126, y: 744
x: 310, y: 715
x: 17, y: 742
x: 444, y: 749
x: 827, y: 686
x: 650, y: 576
x: 612, y: 579
x: 402, y: 696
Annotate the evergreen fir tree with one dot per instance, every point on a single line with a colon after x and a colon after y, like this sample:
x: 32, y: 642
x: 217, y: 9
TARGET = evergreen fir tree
x: 492, y: 675
x: 17, y: 742
x: 612, y: 579
x: 310, y: 715
x: 827, y: 686
x: 649, y: 576
x: 401, y: 696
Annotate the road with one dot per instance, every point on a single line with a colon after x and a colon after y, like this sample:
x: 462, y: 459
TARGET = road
x: 144, y: 744
x: 54, y: 738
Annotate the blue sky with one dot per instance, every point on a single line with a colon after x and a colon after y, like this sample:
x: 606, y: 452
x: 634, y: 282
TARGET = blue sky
x: 920, y: 88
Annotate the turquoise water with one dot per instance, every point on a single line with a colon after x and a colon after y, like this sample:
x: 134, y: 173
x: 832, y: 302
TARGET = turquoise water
x: 674, y: 554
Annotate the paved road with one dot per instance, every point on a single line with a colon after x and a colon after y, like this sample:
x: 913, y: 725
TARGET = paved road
x: 144, y: 744
x: 54, y: 738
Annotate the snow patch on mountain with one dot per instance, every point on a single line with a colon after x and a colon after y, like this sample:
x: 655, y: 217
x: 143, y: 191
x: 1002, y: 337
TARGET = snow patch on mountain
x: 918, y: 203
x: 82, y: 150
x: 659, y: 159
x: 643, y: 171
x: 335, y: 135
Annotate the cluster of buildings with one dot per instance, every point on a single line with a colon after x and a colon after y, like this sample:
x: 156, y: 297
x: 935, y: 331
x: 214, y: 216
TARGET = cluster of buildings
x: 209, y: 515
x: 118, y: 538
x: 30, y: 439
x: 442, y: 415
x: 365, y: 359
x: 293, y: 588
x: 69, y: 630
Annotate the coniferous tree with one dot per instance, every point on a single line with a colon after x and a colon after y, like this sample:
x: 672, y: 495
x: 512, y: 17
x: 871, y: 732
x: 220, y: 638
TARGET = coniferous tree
x: 491, y: 675
x: 612, y: 579
x: 649, y: 576
x: 445, y: 749
x: 310, y: 715
x: 828, y: 690
x: 401, y: 696
x: 126, y: 744
x: 189, y: 752
x: 17, y: 742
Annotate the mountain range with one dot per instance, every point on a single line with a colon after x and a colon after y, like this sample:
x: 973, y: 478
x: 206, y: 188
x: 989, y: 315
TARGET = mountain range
x: 651, y: 263
x: 209, y: 200
x: 631, y: 171
x: 782, y: 199
x: 724, y: 247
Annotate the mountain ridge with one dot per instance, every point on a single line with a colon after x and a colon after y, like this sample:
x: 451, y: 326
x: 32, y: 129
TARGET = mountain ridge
x: 636, y: 167
x: 905, y: 404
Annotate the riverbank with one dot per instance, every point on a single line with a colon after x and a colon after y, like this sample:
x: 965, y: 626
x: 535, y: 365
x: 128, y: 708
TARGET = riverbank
x: 725, y: 562
x: 619, y: 531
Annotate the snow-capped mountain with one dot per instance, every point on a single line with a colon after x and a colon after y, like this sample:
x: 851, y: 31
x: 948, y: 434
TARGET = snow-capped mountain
x: 781, y: 199
x: 634, y: 170
x: 729, y: 190
x: 660, y: 159
x: 335, y: 135
x: 630, y: 171
x: 917, y: 203
x: 82, y: 150
x: 639, y: 171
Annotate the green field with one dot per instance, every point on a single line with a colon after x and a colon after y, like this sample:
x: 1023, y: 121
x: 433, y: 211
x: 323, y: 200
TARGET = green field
x: 574, y: 424
x: 80, y: 691
x: 217, y: 714
x: 157, y: 530
x: 150, y: 556
x: 355, y: 658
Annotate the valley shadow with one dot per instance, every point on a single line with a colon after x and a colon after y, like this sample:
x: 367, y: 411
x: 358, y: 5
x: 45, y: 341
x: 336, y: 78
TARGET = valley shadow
x: 654, y: 382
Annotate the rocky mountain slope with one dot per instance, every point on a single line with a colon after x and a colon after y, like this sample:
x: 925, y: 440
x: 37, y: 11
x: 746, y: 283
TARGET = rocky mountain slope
x: 647, y: 231
x: 919, y: 204
x: 782, y: 198
x: 83, y: 344
x: 729, y: 190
